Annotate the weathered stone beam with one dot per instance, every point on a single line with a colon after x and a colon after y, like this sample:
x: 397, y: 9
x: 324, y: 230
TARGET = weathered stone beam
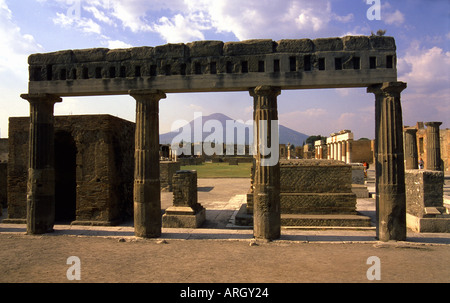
x: 213, y: 65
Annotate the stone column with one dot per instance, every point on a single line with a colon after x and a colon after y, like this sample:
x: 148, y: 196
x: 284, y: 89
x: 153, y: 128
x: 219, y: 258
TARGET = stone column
x: 266, y: 197
x: 339, y: 151
x: 147, y: 195
x: 411, y: 155
x: 349, y: 151
x: 390, y: 167
x: 344, y: 151
x: 41, y: 164
x: 433, y: 146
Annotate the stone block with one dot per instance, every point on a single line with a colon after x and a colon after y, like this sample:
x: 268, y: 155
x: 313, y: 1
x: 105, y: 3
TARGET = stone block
x: 141, y: 53
x: 183, y: 217
x: 178, y: 50
x: 118, y: 54
x: 318, y: 203
x: 60, y: 57
x: 90, y: 55
x: 315, y: 176
x: 428, y: 225
x: 328, y: 44
x: 353, y: 43
x: 186, y: 212
x: 382, y: 43
x: 249, y: 47
x: 424, y: 189
x: 206, y: 49
x: 295, y: 46
x: 357, y: 174
x: 167, y: 169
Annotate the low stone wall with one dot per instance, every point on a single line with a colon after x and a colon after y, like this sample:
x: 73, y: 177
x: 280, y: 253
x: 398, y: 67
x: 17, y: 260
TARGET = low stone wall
x: 316, y: 187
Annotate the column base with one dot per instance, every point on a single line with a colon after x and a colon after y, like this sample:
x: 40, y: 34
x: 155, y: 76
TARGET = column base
x: 428, y: 225
x: 183, y: 217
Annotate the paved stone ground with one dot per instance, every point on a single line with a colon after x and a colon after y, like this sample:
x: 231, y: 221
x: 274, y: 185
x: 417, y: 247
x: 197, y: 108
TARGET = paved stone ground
x: 220, y: 251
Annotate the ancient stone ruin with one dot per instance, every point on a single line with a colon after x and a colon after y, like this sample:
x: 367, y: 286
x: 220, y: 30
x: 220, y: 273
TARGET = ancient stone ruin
x: 93, y: 162
x: 186, y: 212
x: 262, y: 67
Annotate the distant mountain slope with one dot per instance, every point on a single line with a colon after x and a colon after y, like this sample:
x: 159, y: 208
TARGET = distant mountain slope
x: 287, y: 135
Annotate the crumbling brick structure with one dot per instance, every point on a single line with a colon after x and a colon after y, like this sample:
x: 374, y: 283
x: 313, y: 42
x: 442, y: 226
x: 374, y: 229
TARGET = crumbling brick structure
x: 93, y: 169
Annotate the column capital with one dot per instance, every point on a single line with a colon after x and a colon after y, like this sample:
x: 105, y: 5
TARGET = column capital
x: 265, y: 90
x: 387, y: 88
x: 41, y: 98
x: 411, y: 131
x: 147, y: 94
x: 433, y: 124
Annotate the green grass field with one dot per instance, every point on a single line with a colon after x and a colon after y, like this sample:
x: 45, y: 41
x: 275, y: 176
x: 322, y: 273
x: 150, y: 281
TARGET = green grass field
x: 220, y: 170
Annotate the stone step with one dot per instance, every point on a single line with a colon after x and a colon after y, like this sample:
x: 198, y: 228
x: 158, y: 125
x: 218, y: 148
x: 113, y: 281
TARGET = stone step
x: 325, y: 220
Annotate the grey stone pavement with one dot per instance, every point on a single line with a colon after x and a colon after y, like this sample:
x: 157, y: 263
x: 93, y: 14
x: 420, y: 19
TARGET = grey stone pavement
x: 222, y: 199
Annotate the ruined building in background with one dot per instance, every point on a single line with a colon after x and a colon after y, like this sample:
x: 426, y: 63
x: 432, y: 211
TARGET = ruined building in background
x: 94, y: 160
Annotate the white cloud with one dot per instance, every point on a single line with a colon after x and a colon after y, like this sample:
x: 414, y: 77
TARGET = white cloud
x: 99, y: 15
x: 86, y: 25
x: 179, y: 29
x: 112, y: 44
x: 395, y: 18
x: 391, y: 17
x: 427, y: 73
x: 15, y: 47
x: 425, y: 69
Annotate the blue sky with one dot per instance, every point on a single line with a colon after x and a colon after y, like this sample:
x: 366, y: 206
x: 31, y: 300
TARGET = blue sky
x: 421, y: 29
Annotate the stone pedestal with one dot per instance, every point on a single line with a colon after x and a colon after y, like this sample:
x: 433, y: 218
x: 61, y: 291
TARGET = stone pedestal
x: 167, y: 170
x: 318, y: 193
x: 41, y: 170
x: 186, y: 212
x: 424, y: 201
x: 433, y: 146
x: 266, y: 196
x: 147, y: 195
x: 389, y: 158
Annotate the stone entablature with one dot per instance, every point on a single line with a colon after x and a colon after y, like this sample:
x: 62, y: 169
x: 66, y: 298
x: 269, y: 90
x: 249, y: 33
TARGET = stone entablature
x: 351, y: 61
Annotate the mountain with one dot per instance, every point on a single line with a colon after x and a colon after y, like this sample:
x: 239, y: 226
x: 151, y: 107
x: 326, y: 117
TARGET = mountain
x: 218, y: 124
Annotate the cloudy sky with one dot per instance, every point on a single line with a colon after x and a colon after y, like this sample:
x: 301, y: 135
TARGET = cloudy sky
x: 420, y: 27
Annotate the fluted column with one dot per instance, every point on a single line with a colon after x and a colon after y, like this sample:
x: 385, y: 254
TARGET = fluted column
x: 389, y: 158
x: 411, y: 154
x: 433, y: 146
x: 349, y: 151
x: 266, y: 197
x: 41, y: 164
x: 147, y: 195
